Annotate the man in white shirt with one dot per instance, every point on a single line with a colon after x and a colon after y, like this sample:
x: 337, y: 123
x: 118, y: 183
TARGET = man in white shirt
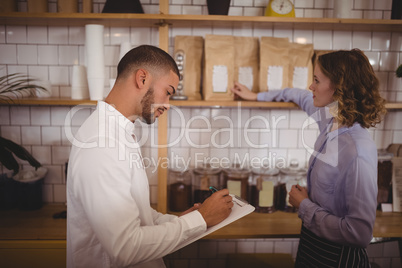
x: 110, y: 222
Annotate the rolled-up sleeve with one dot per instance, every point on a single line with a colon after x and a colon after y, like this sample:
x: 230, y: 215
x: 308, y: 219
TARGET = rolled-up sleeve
x: 302, y: 97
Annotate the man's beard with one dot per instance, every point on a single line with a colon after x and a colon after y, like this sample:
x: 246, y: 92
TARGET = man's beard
x: 147, y: 103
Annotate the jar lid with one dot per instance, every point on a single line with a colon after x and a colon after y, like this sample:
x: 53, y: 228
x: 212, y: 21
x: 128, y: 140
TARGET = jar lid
x: 383, y: 155
x: 294, y: 171
x: 206, y: 171
x: 237, y: 171
x: 178, y: 171
x: 265, y: 171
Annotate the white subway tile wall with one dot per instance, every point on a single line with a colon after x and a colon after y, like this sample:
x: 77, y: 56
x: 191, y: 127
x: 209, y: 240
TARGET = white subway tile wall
x: 195, y: 134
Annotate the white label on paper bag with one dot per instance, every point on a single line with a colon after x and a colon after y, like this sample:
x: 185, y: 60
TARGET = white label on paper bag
x: 266, y: 196
x: 300, y: 75
x: 220, y: 79
x: 234, y: 187
x: 246, y: 76
x: 275, y: 77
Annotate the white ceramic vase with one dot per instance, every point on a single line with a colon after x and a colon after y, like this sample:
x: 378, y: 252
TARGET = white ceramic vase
x: 343, y: 9
x: 124, y: 48
x: 79, y: 83
x: 95, y: 60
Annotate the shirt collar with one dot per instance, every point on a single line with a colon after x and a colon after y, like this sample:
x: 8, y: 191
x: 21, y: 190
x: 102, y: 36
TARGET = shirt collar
x: 333, y: 134
x: 123, y: 122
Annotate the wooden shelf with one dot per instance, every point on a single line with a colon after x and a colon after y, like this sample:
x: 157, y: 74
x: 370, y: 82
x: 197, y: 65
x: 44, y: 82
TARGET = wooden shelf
x: 285, y: 23
x: 283, y: 224
x: 187, y: 103
x: 39, y: 224
x: 79, y: 19
x: 228, y: 104
x: 46, y: 102
x: 155, y: 20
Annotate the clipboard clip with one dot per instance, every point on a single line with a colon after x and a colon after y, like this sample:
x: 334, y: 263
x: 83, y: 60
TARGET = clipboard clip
x: 238, y: 200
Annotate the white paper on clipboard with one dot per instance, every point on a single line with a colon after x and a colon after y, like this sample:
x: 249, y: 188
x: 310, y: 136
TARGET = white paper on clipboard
x: 237, y: 213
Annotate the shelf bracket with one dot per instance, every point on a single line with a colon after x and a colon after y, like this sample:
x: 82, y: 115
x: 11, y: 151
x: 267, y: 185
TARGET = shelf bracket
x: 162, y: 23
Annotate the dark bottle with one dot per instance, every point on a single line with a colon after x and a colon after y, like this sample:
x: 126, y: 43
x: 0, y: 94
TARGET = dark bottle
x: 179, y: 190
x: 384, y: 180
x: 203, y: 178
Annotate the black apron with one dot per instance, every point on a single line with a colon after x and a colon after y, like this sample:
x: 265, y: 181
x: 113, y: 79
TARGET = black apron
x: 317, y: 252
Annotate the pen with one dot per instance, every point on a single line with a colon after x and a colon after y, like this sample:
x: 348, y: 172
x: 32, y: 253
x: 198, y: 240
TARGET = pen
x: 213, y: 189
x: 236, y: 199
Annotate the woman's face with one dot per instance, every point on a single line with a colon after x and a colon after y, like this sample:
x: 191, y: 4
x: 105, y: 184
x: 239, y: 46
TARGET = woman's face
x: 322, y: 88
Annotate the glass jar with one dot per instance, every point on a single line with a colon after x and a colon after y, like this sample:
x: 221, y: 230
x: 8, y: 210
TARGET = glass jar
x: 263, y: 183
x: 384, y: 177
x: 236, y: 180
x: 289, y: 177
x: 179, y: 190
x: 203, y: 178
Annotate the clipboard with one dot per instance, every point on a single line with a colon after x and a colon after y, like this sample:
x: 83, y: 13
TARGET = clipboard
x: 240, y: 209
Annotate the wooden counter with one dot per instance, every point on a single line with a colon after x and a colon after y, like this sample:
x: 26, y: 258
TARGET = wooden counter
x: 258, y: 225
x: 35, y: 224
x: 282, y: 224
x: 40, y: 225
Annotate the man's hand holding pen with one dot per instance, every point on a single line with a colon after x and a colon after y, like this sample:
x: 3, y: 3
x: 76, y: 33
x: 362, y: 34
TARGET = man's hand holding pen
x: 216, y: 208
x: 297, y: 194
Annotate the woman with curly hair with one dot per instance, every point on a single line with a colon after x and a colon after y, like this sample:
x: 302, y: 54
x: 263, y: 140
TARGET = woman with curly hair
x: 338, y: 208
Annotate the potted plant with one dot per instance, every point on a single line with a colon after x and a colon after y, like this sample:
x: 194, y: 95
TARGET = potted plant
x: 18, y: 85
x: 399, y: 71
x: 220, y: 7
x: 22, y: 188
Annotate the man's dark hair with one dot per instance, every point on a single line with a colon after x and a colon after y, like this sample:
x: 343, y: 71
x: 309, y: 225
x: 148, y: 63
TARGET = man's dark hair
x: 150, y: 58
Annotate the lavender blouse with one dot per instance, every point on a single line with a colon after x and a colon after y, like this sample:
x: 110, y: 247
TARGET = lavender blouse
x: 342, y: 176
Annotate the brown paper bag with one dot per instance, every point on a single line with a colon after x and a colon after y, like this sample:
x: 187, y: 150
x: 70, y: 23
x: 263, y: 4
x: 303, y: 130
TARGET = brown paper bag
x: 300, y: 65
x: 67, y: 6
x: 86, y: 6
x: 274, y: 63
x: 218, y: 67
x: 247, y: 57
x: 192, y: 48
x: 37, y: 6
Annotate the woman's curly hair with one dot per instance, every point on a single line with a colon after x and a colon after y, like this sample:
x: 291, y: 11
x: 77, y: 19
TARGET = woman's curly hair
x: 356, y: 87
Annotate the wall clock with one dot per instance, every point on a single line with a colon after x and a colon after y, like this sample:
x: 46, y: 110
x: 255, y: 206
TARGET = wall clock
x: 280, y: 8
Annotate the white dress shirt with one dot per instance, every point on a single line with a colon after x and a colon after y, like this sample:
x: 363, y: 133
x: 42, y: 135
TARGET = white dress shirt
x: 110, y: 222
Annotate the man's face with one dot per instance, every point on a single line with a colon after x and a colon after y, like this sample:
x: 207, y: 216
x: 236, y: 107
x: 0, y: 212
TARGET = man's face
x: 156, y: 101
